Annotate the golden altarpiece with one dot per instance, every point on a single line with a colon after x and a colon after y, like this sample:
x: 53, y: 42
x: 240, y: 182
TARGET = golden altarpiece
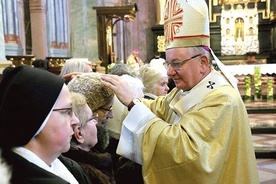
x: 243, y: 36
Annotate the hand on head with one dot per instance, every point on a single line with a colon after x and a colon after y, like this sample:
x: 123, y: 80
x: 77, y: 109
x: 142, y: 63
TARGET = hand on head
x: 71, y: 75
x: 119, y: 86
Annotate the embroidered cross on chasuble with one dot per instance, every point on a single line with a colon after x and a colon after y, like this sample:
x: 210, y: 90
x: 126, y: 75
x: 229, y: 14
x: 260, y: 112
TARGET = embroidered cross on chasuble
x: 211, y: 84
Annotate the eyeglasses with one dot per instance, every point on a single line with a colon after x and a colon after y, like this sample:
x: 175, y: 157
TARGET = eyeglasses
x: 94, y: 117
x: 67, y: 110
x: 107, y: 111
x: 176, y: 65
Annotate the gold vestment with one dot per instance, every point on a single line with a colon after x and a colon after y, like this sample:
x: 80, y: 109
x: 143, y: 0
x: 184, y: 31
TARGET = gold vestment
x: 210, y: 143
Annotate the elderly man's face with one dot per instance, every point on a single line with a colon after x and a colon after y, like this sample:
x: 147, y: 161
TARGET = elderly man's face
x: 135, y: 54
x: 191, y: 72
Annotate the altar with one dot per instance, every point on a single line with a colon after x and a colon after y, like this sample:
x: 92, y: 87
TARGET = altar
x: 246, y: 74
x: 239, y: 70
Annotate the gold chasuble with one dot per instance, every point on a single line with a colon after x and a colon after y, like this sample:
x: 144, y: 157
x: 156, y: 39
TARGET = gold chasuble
x: 188, y: 145
x: 201, y: 136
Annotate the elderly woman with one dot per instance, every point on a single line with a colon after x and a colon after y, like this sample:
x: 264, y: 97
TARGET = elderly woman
x: 100, y: 99
x: 155, y: 81
x: 84, y: 139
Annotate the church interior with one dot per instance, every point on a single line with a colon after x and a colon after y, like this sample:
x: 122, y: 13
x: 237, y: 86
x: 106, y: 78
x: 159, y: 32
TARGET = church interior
x: 242, y: 34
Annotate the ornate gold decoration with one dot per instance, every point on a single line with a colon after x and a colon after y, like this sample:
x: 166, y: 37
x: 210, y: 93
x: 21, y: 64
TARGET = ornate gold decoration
x: 266, y: 14
x: 56, y: 62
x: 239, y: 29
x: 109, y: 36
x: 160, y: 9
x: 272, y: 16
x: 161, y: 44
x: 22, y: 61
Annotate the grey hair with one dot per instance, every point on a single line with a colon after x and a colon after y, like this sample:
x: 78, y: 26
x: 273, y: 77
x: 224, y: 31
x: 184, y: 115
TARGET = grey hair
x: 150, y: 76
x: 74, y: 65
x: 122, y: 69
x: 201, y: 50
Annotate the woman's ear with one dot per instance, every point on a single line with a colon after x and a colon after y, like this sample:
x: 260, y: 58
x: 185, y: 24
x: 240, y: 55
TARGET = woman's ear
x: 78, y: 134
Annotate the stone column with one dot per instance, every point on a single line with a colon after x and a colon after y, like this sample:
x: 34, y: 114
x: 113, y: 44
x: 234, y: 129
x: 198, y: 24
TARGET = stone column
x: 39, y: 29
x: 160, y: 11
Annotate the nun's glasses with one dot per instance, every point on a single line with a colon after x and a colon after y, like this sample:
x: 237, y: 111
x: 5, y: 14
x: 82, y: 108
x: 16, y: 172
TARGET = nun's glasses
x: 68, y: 111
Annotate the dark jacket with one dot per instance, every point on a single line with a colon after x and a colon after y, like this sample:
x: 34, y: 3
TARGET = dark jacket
x: 98, y: 165
x: 126, y: 171
x: 24, y: 172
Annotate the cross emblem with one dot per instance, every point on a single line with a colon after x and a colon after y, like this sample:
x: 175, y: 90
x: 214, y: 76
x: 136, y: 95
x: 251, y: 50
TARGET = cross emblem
x: 211, y: 84
x: 172, y: 20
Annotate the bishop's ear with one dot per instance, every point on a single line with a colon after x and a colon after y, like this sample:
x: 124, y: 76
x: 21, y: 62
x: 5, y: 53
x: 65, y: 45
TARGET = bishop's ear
x: 204, y: 60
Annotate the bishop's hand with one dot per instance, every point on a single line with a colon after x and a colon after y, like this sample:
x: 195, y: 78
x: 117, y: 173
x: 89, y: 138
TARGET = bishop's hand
x: 120, y: 87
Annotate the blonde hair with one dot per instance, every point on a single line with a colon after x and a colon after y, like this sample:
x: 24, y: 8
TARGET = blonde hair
x: 78, y: 105
x: 150, y: 76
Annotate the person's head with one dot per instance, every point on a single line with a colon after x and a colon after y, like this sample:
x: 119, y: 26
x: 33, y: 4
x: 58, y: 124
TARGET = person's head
x: 99, y: 98
x: 76, y: 65
x: 154, y: 80
x: 7, y: 70
x: 85, y: 132
x: 135, y: 84
x: 36, y: 112
x: 114, y: 125
x: 135, y: 52
x: 187, y: 51
x: 188, y: 66
x: 122, y: 69
x: 40, y: 63
x: 157, y: 55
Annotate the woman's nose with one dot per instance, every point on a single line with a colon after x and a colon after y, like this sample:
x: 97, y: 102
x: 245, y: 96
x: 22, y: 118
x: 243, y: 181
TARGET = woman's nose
x: 167, y: 88
x: 74, y: 120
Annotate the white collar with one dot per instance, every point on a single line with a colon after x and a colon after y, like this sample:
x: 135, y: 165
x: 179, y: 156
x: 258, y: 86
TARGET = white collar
x: 57, y: 167
x: 183, y: 101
